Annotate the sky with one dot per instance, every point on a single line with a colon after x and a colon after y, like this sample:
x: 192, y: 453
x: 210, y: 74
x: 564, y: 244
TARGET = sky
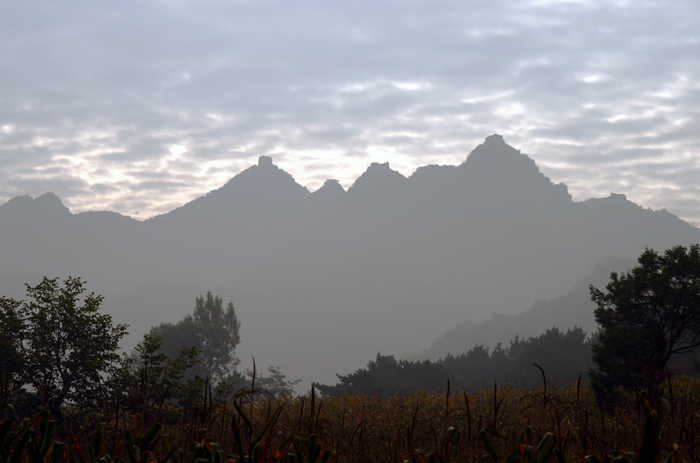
x: 138, y: 106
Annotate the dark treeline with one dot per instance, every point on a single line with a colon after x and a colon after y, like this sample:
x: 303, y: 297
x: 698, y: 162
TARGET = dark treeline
x: 563, y: 356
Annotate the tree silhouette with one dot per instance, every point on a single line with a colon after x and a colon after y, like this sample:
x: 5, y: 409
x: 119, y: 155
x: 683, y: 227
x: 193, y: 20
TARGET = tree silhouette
x: 648, y: 317
x: 66, y: 348
x: 209, y: 328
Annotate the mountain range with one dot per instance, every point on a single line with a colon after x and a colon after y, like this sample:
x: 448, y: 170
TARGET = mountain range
x: 322, y: 281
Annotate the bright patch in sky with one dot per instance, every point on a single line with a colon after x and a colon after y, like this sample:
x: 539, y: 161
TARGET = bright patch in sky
x: 593, y: 79
x: 176, y: 151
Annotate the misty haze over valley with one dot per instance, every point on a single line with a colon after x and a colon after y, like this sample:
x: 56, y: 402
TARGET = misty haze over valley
x: 421, y: 266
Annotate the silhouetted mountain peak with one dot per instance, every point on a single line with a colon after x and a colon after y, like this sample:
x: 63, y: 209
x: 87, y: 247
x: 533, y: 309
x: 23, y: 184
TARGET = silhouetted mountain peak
x: 17, y: 202
x: 48, y: 205
x: 495, y: 139
x: 256, y: 188
x: 262, y: 180
x: 264, y: 161
x: 496, y: 155
x: 50, y: 201
x: 329, y: 195
x: 498, y: 168
x: 330, y: 187
x: 265, y: 179
x: 378, y: 179
x: 379, y: 168
x: 618, y: 196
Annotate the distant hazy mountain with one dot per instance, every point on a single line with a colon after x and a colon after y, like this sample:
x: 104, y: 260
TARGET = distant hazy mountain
x: 574, y: 308
x: 324, y: 280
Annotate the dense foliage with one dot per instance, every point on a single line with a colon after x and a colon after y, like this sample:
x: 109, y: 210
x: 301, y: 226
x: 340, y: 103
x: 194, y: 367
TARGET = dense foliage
x: 215, y: 332
x: 385, y: 376
x: 649, y: 317
x: 58, y: 345
x: 563, y: 356
x: 202, y: 347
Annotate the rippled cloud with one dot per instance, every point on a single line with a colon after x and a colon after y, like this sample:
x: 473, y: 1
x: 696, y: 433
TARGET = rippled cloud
x: 140, y: 106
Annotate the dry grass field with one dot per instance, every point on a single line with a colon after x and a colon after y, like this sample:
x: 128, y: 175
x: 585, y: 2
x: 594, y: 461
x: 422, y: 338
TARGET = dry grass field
x: 496, y: 424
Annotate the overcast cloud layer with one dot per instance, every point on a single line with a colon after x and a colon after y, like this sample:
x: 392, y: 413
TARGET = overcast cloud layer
x: 140, y: 106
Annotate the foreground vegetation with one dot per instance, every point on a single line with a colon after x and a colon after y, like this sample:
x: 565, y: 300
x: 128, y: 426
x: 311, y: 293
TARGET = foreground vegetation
x: 184, y: 401
x: 561, y: 424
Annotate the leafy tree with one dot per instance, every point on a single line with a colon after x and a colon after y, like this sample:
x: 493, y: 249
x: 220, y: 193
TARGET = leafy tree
x: 219, y: 334
x: 66, y: 346
x: 148, y: 379
x: 562, y: 355
x: 648, y: 317
x: 479, y: 366
x: 11, y: 331
x: 501, y: 364
x: 212, y: 330
x: 472, y: 368
x: 173, y: 337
